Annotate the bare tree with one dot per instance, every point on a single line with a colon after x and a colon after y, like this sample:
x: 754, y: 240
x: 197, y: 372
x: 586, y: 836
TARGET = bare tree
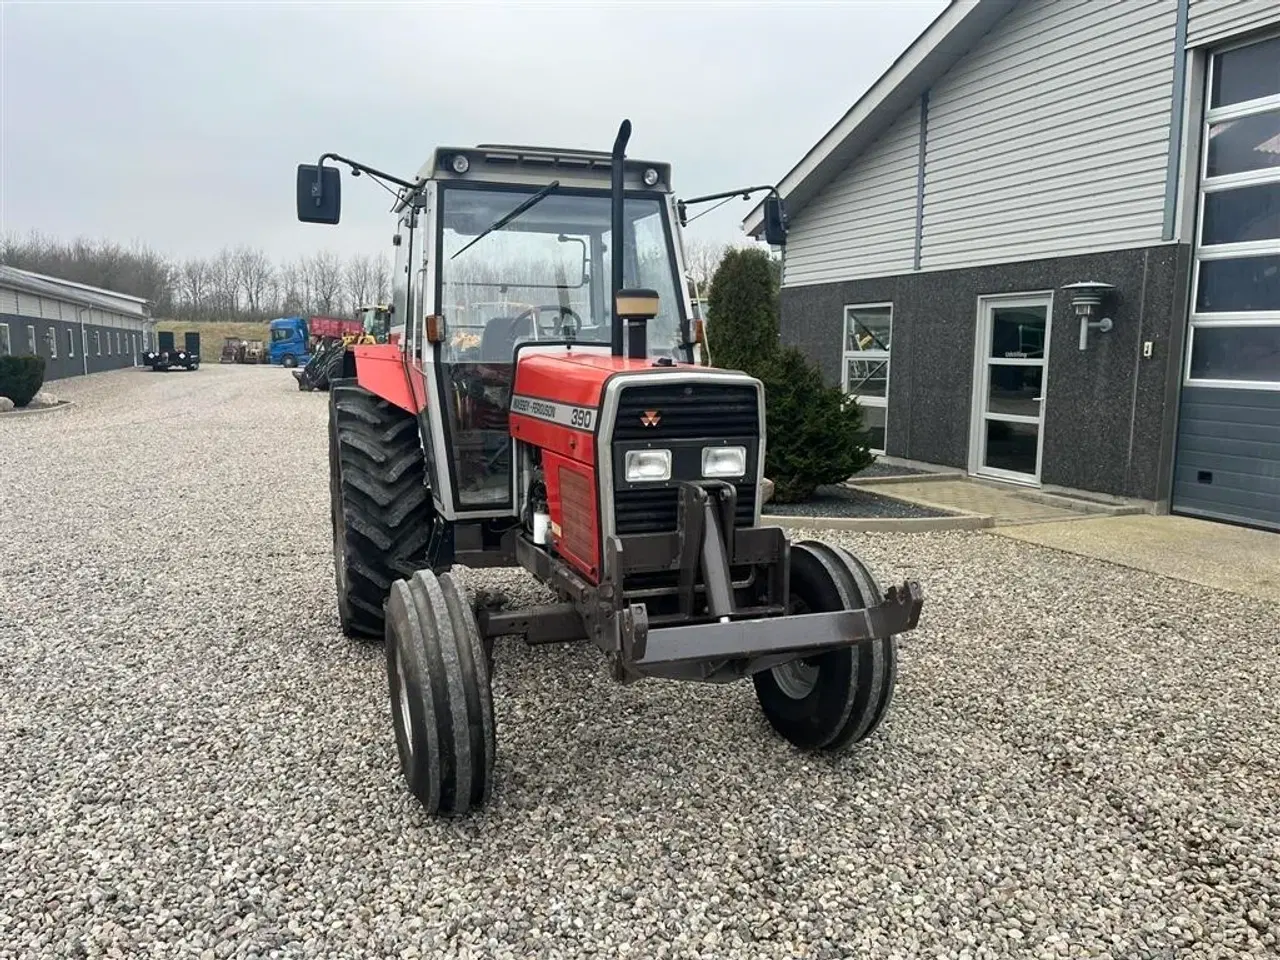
x: 360, y: 279
x: 701, y: 260
x: 293, y: 298
x: 382, y: 280
x: 225, y: 299
x: 324, y: 271
x: 195, y: 285
x: 253, y: 272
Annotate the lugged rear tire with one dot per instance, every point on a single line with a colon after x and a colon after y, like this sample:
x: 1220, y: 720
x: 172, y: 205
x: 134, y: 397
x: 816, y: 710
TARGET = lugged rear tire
x: 441, y: 700
x: 380, y: 505
x: 835, y: 699
x: 330, y: 367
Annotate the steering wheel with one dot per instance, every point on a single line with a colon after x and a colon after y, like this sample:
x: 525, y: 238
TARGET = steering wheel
x: 564, y: 313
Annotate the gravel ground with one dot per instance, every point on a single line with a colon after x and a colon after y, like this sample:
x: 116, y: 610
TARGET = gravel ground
x: 851, y: 502
x: 1081, y: 760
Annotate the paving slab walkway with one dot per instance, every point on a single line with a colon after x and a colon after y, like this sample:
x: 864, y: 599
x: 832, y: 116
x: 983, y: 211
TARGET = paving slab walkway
x: 1238, y: 559
x: 1006, y: 506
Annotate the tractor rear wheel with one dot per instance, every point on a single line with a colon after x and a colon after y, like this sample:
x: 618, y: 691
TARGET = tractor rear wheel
x: 834, y: 699
x: 380, y: 505
x: 441, y: 700
x: 330, y: 368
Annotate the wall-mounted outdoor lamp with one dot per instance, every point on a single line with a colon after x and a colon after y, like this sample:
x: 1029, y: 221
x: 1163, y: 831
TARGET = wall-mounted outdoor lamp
x: 1088, y: 298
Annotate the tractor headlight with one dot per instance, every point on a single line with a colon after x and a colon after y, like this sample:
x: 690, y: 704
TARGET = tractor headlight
x: 642, y: 465
x: 724, y: 461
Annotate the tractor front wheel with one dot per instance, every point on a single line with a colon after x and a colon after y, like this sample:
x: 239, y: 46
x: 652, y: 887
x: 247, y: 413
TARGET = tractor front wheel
x: 380, y: 505
x: 835, y: 699
x: 441, y: 701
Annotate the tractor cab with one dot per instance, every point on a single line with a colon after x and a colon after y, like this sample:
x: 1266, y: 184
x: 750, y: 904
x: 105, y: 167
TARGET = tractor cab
x: 522, y: 261
x: 375, y: 323
x: 506, y: 249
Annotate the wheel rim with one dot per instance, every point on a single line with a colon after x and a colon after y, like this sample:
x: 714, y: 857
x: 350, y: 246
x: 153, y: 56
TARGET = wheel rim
x: 402, y: 704
x: 796, y: 679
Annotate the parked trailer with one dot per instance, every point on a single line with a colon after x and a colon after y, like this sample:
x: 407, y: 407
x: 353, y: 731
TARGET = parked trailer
x: 168, y: 356
x: 578, y: 439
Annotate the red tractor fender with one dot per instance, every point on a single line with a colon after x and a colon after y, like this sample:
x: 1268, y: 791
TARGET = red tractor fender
x: 382, y: 370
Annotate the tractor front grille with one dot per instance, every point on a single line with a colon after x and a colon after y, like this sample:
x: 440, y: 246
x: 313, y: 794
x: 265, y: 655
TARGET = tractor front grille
x: 688, y: 411
x: 684, y: 412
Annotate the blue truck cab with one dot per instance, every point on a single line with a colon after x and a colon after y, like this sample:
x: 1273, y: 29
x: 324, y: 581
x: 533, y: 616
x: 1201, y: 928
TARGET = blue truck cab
x: 290, y: 341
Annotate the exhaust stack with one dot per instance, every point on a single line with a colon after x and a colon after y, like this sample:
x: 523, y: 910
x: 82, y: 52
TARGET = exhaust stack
x: 615, y: 239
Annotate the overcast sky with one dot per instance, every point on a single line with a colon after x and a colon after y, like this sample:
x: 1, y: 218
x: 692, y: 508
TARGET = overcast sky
x: 181, y: 124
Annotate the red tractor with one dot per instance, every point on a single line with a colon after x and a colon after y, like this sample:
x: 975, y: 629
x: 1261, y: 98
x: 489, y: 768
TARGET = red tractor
x: 571, y: 433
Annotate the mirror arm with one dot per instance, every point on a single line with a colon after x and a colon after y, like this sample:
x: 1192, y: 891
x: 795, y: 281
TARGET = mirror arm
x: 743, y: 192
x: 357, y: 168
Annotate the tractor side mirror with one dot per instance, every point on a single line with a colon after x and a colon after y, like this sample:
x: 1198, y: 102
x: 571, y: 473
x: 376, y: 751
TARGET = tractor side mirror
x: 319, y: 194
x: 775, y: 222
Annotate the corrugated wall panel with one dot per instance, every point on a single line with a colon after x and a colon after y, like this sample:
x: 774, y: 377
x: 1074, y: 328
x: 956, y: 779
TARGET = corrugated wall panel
x: 28, y: 304
x: 8, y: 300
x: 1228, y: 459
x: 1209, y: 21
x: 1036, y: 149
x: 863, y: 223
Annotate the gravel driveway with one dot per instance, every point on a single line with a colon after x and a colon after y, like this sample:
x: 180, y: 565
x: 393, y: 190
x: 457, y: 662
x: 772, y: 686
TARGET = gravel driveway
x: 1081, y: 760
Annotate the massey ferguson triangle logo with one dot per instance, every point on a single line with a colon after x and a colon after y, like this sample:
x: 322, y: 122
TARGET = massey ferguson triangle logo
x: 651, y: 418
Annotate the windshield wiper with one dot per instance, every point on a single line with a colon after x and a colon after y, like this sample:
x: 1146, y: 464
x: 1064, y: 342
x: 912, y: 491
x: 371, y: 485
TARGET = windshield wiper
x: 503, y: 221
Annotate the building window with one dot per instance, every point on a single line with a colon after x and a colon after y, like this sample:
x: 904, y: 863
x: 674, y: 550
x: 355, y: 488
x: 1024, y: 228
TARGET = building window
x: 71, y: 343
x: 32, y: 347
x: 865, y: 367
x: 1235, y: 303
x: 97, y: 342
x: 4, y: 340
x: 51, y: 338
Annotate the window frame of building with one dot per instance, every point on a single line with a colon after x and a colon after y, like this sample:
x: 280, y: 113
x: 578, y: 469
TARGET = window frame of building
x: 97, y: 342
x: 1206, y: 325
x: 870, y: 401
x: 51, y: 338
x: 71, y: 343
x: 6, y: 342
x: 32, y: 346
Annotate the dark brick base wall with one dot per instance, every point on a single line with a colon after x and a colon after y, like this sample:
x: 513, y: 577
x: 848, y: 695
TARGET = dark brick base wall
x: 65, y: 365
x: 1109, y: 414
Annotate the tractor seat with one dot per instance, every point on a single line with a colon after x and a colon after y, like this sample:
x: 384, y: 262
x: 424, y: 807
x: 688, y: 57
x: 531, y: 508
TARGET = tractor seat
x: 498, y: 342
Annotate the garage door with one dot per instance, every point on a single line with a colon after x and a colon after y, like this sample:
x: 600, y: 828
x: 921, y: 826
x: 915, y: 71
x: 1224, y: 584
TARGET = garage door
x: 1227, y: 464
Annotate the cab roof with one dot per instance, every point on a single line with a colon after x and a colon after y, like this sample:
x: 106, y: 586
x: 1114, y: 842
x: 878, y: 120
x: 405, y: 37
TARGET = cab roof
x: 537, y: 166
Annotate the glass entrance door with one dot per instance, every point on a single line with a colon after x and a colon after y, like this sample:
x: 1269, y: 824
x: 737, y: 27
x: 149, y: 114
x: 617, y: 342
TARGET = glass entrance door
x: 1009, y: 387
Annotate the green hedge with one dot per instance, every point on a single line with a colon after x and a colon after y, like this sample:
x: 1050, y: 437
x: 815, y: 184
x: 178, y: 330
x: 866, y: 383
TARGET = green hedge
x: 815, y: 433
x: 21, y: 378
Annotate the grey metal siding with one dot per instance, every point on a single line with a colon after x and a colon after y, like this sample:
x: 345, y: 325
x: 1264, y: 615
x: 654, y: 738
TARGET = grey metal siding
x: 1228, y: 457
x: 1214, y: 20
x: 65, y: 365
x: 862, y: 224
x: 1106, y: 427
x: 1051, y: 137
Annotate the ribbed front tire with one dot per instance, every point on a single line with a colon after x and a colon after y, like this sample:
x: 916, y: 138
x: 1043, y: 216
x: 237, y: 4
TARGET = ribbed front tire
x: 835, y: 699
x: 441, y: 701
x: 380, y: 506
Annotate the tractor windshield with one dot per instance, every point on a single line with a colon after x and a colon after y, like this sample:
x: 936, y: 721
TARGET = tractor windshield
x: 546, y: 274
